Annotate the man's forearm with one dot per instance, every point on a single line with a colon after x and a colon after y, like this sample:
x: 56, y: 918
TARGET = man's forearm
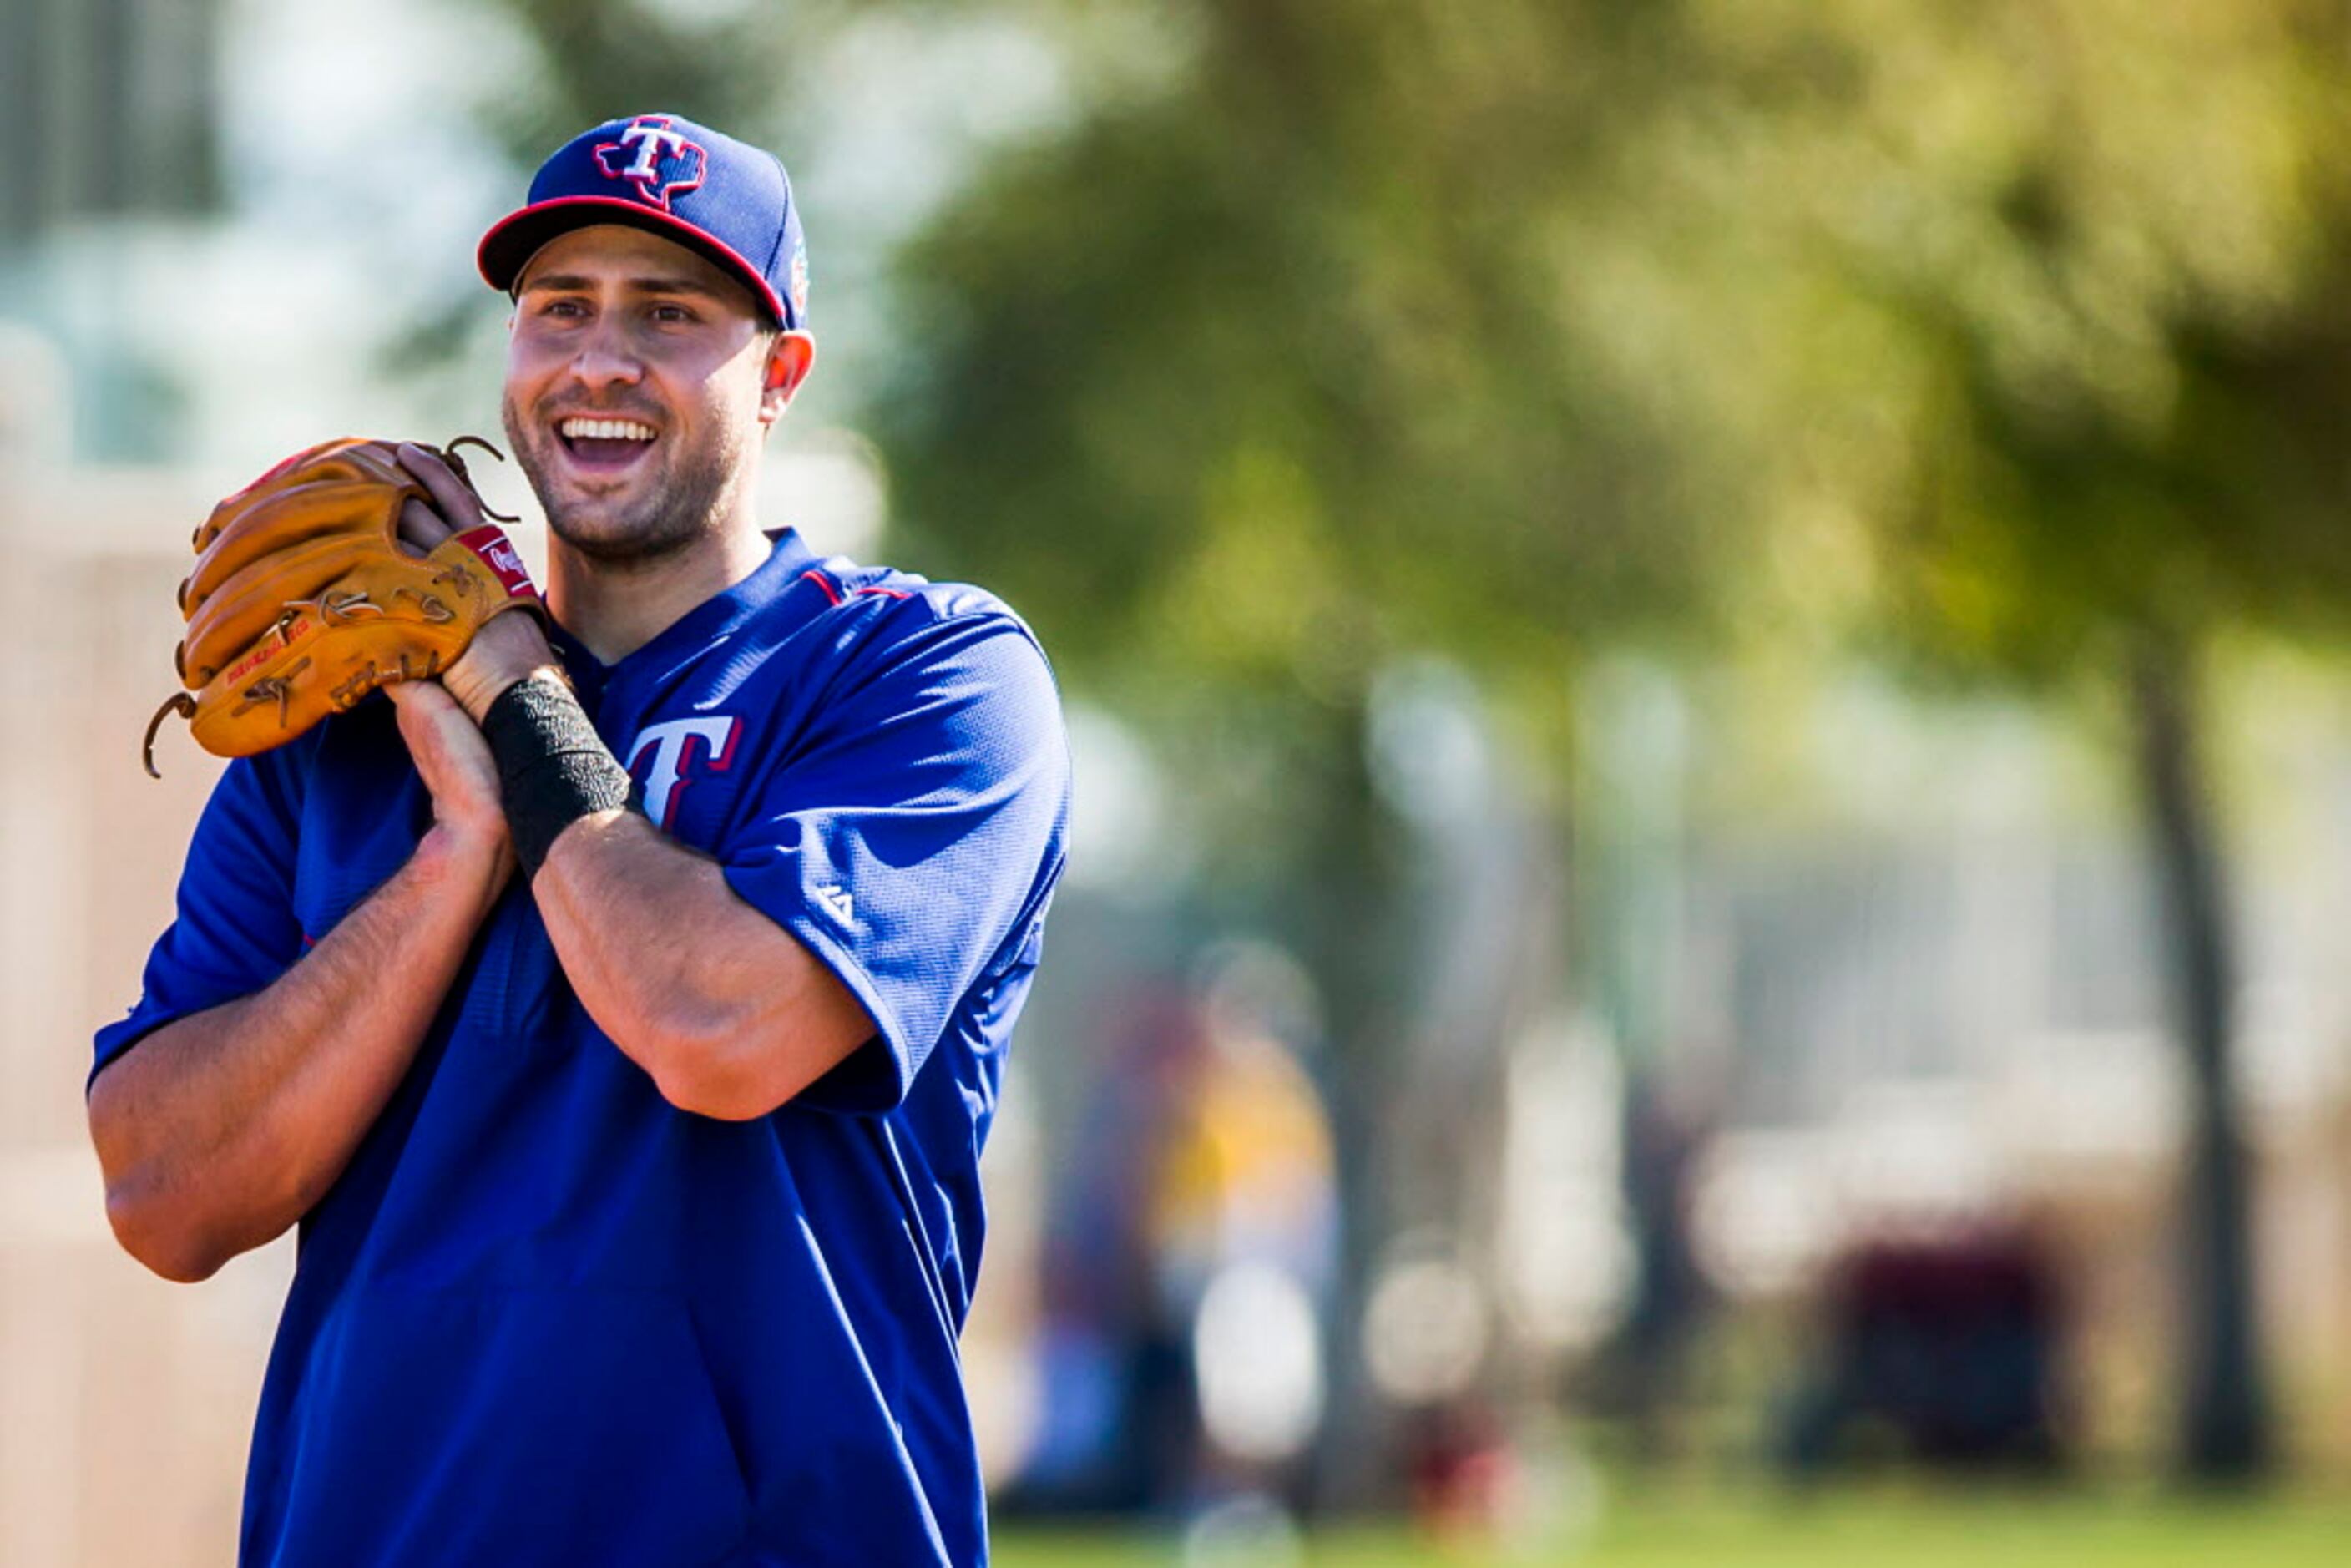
x: 220, y: 1130
x: 719, y: 1004
x: 725, y: 1009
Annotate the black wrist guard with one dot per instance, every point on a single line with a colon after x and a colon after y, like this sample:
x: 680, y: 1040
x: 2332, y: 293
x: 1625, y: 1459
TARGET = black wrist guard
x: 553, y: 768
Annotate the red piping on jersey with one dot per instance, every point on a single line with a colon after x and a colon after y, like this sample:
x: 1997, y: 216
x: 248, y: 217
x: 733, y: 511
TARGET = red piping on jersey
x: 833, y: 593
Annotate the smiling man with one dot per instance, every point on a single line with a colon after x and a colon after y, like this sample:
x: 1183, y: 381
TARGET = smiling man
x: 621, y: 1017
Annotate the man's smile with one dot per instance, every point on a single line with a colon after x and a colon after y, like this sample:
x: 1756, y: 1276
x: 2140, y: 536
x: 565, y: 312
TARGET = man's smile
x: 604, y: 445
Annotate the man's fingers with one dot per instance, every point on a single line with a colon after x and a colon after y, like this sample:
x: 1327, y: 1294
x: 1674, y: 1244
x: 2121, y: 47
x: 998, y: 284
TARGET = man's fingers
x: 425, y: 697
x: 425, y: 708
x: 421, y: 527
x: 450, y: 497
x: 449, y: 753
x: 415, y: 701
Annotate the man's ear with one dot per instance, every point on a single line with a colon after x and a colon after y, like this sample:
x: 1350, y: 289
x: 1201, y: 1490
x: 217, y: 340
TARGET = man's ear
x: 789, y: 359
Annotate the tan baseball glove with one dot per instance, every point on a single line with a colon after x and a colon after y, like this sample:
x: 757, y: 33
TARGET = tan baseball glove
x: 303, y: 599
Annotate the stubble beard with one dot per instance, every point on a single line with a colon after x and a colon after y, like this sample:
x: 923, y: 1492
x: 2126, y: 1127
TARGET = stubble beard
x: 678, y: 504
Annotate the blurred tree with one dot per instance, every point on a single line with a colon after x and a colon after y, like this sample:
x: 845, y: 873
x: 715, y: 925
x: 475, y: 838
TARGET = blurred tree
x: 2096, y: 254
x: 1265, y: 368
x: 733, y: 66
x: 1253, y: 377
x: 2005, y: 336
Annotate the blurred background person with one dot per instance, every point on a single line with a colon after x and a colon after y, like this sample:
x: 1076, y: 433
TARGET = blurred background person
x: 1190, y: 1270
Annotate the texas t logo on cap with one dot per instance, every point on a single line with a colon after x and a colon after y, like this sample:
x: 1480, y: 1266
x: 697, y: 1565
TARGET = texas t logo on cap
x: 661, y: 173
x: 654, y: 156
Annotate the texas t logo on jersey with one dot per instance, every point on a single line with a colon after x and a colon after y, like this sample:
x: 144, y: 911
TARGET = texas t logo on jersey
x: 671, y: 746
x: 655, y: 157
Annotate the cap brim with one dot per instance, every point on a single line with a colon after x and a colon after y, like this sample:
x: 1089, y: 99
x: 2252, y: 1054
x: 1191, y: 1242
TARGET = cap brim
x: 514, y: 239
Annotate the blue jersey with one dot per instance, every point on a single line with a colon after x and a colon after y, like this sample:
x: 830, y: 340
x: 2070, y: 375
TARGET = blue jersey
x: 544, y: 1316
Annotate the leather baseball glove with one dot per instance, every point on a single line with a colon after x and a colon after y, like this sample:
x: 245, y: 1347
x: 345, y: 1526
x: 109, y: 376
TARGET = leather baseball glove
x: 303, y: 599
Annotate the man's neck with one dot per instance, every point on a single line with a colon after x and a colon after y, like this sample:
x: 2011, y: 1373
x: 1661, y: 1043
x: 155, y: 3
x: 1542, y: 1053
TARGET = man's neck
x: 614, y: 609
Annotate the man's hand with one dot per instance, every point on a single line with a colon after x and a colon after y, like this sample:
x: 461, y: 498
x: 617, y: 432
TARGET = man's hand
x: 469, y: 820
x: 334, y: 574
x: 506, y: 649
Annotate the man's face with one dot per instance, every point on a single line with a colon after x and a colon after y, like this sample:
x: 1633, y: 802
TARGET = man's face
x: 639, y: 383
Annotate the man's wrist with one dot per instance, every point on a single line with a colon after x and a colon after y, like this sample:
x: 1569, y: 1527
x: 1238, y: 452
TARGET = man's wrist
x: 479, y: 689
x: 507, y: 650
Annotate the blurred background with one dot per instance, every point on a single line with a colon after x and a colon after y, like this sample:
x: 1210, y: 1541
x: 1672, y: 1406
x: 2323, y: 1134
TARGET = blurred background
x: 1711, y: 912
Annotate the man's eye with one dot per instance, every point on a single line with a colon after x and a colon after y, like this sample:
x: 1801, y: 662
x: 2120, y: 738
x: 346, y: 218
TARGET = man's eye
x: 562, y: 308
x: 673, y: 313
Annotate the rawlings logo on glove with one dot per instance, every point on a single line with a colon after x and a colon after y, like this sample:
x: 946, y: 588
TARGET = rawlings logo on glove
x: 303, y: 599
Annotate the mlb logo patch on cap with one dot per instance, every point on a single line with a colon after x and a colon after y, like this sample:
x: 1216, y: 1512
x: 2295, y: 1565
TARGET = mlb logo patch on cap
x: 726, y: 200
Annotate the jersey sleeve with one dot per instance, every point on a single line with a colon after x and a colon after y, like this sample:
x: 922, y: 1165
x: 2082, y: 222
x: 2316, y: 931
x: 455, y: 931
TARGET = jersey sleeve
x: 911, y: 841
x: 235, y: 930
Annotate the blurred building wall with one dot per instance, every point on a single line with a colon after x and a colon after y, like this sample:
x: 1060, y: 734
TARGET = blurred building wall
x: 125, y: 1402
x: 112, y: 109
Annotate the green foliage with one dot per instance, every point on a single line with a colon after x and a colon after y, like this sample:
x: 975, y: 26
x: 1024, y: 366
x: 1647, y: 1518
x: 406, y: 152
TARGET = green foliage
x: 1269, y: 372
x: 730, y: 66
x: 1515, y: 329
x: 2096, y: 249
x: 1319, y: 332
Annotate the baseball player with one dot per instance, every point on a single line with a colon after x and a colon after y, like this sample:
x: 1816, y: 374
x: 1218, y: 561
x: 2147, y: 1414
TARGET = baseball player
x: 619, y: 1015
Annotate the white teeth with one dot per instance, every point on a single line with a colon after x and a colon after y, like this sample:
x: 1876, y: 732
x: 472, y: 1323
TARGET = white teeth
x: 605, y: 430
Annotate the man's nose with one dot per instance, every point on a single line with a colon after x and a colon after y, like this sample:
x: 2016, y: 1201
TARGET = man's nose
x: 606, y: 357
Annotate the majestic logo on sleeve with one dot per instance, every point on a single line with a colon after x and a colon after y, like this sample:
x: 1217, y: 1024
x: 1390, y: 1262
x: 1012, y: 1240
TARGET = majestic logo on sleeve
x: 677, y: 751
x: 655, y: 157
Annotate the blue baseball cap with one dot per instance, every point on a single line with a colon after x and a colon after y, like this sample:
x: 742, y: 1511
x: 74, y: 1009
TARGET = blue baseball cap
x: 661, y: 173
